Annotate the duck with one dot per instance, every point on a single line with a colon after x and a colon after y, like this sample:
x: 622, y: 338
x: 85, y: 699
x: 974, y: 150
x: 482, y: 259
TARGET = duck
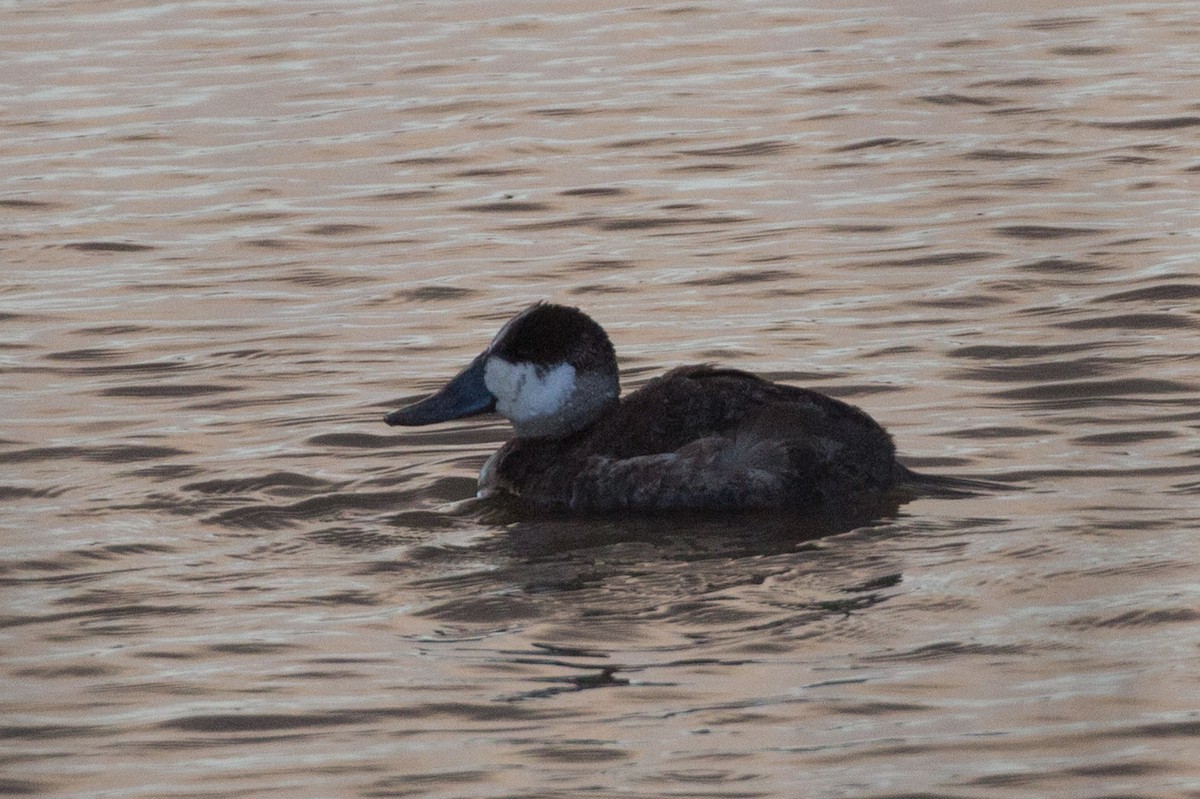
x: 697, y: 438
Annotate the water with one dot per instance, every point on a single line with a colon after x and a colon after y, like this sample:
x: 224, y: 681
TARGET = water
x: 234, y: 236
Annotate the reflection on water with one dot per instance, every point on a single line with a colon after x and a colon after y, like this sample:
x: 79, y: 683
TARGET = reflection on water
x: 235, y: 236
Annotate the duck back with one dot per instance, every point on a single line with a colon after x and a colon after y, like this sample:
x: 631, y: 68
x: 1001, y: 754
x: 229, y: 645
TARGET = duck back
x: 702, y: 437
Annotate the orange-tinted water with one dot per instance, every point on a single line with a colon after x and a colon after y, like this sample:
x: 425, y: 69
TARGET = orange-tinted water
x: 233, y: 236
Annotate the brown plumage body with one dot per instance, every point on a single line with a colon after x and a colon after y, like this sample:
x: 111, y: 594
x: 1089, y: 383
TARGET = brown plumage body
x: 702, y: 437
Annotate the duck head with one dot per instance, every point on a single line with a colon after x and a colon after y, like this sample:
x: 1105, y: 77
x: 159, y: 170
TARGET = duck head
x: 551, y: 371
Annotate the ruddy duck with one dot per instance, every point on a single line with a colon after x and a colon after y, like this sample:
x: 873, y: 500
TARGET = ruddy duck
x: 699, y: 437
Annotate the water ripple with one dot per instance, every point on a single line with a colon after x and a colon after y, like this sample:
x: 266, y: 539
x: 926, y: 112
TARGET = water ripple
x: 235, y: 234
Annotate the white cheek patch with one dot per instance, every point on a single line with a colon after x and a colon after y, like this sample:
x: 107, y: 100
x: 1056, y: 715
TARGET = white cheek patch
x: 525, y: 392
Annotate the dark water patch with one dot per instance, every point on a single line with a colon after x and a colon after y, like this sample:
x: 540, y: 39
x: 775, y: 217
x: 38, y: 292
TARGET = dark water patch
x: 453, y: 489
x: 506, y: 207
x: 1120, y: 439
x: 650, y: 223
x: 1124, y: 474
x: 1188, y: 728
x: 255, y: 648
x: 1139, y: 160
x: 115, y: 330
x: 493, y: 172
x: 1018, y: 110
x: 1058, y: 23
x: 1160, y: 293
x: 1140, y: 321
x: 319, y: 278
x: 8, y: 316
x: 71, y: 671
x: 996, y: 431
x: 702, y: 168
x: 75, y: 566
x: 101, y: 616
x: 1028, y: 183
x: 239, y: 403
x: 116, y: 453
x: 1126, y: 768
x: 281, y: 482
x: 1040, y: 371
x: 1082, y: 393
x: 645, y: 141
x: 164, y: 391
x: 85, y: 354
x: 102, y: 597
x: 483, y: 610
x: 846, y: 87
x: 1134, y: 240
x: 1043, y: 232
x: 459, y: 435
x: 111, y: 551
x: 933, y: 259
x: 334, y: 505
x: 1161, y: 123
x: 570, y: 752
x: 1084, y: 50
x: 856, y: 390
x: 877, y: 708
x: 45, y: 732
x: 741, y: 277
x: 160, y: 367
x: 352, y: 440
x: 561, y: 223
x: 954, y: 44
x: 996, y: 154
x: 272, y: 244
x: 408, y: 194
x: 747, y: 150
x: 338, y: 229
x: 1058, y: 264
x: 898, y: 349
x: 976, y: 301
x: 859, y: 228
x: 602, y: 264
x: 428, y: 520
x: 566, y: 111
x: 435, y: 293
x: 27, y: 205
x: 1137, y: 618
x: 107, y: 246
x: 13, y: 786
x: 597, y: 191
x: 233, y: 724
x: 253, y: 354
x: 360, y: 539
x: 11, y: 492
x: 952, y: 649
x: 256, y: 217
x: 597, y: 288
x: 429, y: 784
x: 953, y: 98
x: 478, y: 713
x: 426, y: 160
x: 882, y: 141
x: 1016, y: 83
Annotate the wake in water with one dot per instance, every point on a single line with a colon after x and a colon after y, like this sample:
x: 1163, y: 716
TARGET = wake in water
x: 913, y: 485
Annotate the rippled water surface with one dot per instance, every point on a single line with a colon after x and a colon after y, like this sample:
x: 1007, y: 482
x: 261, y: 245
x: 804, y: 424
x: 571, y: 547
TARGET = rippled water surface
x: 235, y: 234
